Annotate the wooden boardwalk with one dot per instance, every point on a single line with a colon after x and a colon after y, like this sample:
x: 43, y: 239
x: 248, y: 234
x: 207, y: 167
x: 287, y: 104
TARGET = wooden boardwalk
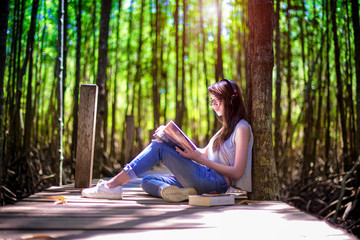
x: 139, y: 216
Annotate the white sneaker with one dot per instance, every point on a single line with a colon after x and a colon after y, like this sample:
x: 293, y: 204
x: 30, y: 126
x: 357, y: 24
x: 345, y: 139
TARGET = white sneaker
x: 101, y: 190
x: 176, y: 194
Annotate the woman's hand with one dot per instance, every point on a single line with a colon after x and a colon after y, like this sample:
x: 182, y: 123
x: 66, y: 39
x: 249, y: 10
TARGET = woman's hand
x: 195, y: 155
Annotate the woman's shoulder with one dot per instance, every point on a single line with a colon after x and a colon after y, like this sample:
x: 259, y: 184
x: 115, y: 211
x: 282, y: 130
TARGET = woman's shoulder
x: 243, y: 128
x: 243, y: 124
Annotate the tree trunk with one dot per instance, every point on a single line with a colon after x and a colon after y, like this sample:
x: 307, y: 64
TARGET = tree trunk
x: 155, y: 68
x: 137, y: 82
x: 60, y: 87
x: 308, y: 121
x: 4, y: 17
x: 129, y: 53
x: 29, y: 115
x: 219, y: 64
x: 260, y: 65
x: 53, y: 122
x: 320, y: 119
x: 349, y: 103
x: 65, y: 50
x: 289, y: 87
x: 356, y: 29
x: 101, y: 83
x: 87, y: 58
x: 178, y: 106
x: 77, y: 82
x: 14, y: 122
x: 129, y: 138
x: 44, y: 119
x: 113, y: 153
x: 106, y: 114
x: 339, y: 93
x: 29, y: 56
x: 278, y: 138
x: 307, y: 144
x: 93, y: 19
x: 163, y: 68
x: 183, y: 76
x: 239, y: 65
x: 129, y: 77
x: 9, y: 122
x: 245, y: 20
x: 308, y: 127
x: 138, y: 73
x: 14, y: 136
x: 328, y: 99
x: 207, y: 137
x: 38, y: 87
x: 310, y: 130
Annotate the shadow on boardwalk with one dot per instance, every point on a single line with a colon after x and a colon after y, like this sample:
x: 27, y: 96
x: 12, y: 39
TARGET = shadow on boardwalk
x: 139, y: 216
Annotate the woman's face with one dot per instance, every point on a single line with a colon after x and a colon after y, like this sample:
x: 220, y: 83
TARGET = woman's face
x: 217, y: 105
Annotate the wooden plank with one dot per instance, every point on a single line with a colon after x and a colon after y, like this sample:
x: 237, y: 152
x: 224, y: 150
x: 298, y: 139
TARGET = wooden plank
x: 263, y: 220
x: 174, y: 234
x: 91, y: 223
x: 89, y: 210
x: 140, y: 216
x: 86, y: 135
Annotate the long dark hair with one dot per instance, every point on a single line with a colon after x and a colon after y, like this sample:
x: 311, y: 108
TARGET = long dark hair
x: 228, y: 92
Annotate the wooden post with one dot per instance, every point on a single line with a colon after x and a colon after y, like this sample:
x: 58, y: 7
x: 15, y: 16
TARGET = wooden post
x: 86, y: 135
x: 130, y: 137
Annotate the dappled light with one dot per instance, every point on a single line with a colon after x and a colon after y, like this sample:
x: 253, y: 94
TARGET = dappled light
x: 148, y: 62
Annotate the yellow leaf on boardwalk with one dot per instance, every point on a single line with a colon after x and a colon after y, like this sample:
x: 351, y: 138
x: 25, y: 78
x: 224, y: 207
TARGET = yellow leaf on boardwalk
x: 247, y: 202
x: 37, y: 237
x: 60, y: 199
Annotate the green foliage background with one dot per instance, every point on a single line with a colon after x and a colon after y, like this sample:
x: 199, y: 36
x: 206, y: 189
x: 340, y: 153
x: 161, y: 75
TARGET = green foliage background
x: 307, y: 20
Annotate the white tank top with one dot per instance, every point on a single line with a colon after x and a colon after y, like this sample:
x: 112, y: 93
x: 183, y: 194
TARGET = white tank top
x: 226, y: 156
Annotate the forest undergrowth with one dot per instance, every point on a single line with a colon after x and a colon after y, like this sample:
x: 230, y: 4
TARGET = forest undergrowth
x: 334, y: 198
x: 28, y: 174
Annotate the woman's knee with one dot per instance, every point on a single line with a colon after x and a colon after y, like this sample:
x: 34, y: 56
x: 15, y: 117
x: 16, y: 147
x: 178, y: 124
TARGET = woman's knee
x: 147, y: 178
x: 149, y: 185
x: 158, y: 144
x: 159, y: 147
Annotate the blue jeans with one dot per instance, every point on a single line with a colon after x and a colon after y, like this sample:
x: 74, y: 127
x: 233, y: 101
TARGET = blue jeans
x: 187, y: 173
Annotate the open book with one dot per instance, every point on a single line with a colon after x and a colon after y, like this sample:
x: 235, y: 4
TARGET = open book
x: 174, y: 136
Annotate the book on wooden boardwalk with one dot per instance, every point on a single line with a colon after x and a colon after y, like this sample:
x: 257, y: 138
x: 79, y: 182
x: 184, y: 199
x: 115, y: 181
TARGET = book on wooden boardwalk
x: 211, y: 200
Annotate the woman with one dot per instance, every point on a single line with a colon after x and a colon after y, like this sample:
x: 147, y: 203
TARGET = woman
x: 224, y: 162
